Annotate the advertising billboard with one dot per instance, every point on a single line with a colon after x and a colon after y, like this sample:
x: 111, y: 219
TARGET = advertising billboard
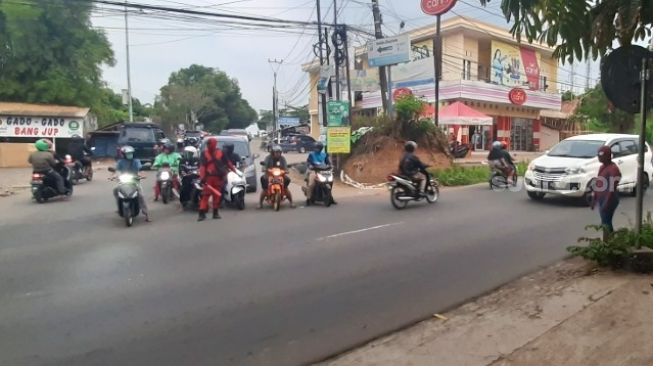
x: 515, y: 66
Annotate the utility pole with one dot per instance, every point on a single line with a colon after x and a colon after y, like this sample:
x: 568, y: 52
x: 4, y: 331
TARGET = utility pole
x: 321, y: 42
x: 378, y: 33
x: 573, y: 77
x: 275, y: 97
x: 588, y: 73
x: 335, y: 54
x: 437, y: 60
x: 129, y: 80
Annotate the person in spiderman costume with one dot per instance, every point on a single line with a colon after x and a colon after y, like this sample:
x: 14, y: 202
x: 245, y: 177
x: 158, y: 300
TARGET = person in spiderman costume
x: 214, y: 166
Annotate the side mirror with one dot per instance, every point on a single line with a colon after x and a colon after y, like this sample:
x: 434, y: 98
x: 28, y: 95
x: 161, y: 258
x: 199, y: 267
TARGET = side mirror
x: 111, y: 169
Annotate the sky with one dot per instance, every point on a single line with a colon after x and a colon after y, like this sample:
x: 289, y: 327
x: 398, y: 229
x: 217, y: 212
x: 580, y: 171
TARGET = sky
x: 161, y: 44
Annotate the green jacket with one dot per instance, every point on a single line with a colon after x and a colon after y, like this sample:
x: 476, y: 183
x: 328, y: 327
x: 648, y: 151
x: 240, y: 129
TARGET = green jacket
x: 172, y: 159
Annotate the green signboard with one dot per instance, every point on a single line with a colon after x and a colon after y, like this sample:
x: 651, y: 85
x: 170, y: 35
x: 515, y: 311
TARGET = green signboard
x: 338, y: 114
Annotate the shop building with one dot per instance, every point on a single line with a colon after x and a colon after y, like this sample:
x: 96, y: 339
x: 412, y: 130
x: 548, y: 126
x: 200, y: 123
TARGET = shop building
x: 484, y: 68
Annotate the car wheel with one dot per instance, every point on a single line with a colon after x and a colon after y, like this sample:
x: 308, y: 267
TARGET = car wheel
x: 536, y: 196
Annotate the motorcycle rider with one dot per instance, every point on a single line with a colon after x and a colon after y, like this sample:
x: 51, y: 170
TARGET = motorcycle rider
x: 497, y: 159
x: 170, y: 158
x: 129, y: 165
x: 410, y: 166
x: 78, y: 150
x: 44, y: 162
x: 188, y: 164
x: 229, y: 153
x: 317, y: 157
x: 213, y: 170
x: 275, y: 157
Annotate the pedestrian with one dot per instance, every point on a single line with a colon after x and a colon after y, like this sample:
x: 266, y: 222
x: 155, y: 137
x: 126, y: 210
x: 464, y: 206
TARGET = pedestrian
x: 605, y: 193
x: 213, y: 170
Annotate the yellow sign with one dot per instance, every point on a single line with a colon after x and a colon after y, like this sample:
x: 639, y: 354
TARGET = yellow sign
x: 515, y: 66
x: 339, y: 140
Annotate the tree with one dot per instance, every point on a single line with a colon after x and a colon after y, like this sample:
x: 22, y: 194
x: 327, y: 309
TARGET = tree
x: 49, y: 53
x: 110, y: 108
x: 207, y: 95
x: 596, y: 114
x: 579, y: 28
x: 266, y: 119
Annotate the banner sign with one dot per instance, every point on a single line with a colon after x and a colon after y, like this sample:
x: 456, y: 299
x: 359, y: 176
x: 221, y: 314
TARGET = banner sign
x: 388, y: 51
x: 289, y: 121
x: 339, y: 140
x: 515, y: 66
x: 338, y: 114
x: 50, y: 127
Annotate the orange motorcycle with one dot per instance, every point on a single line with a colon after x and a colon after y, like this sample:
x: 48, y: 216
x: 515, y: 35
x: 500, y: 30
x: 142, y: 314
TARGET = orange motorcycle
x: 276, y: 192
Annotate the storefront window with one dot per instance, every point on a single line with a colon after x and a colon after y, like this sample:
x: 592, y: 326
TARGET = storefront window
x: 521, y: 134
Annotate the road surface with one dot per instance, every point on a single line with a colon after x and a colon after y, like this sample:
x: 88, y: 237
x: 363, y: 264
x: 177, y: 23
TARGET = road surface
x: 258, y: 287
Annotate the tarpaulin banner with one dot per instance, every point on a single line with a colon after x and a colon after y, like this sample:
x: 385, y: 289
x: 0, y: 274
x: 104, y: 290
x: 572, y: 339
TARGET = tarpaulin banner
x: 515, y: 66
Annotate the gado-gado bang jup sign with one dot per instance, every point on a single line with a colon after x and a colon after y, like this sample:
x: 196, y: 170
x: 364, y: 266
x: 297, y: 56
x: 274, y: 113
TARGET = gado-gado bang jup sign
x: 515, y: 66
x: 51, y: 127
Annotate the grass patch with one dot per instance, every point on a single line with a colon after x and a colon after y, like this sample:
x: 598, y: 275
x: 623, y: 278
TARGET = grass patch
x: 468, y: 175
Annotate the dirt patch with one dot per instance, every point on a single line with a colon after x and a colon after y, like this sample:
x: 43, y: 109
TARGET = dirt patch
x: 375, y: 157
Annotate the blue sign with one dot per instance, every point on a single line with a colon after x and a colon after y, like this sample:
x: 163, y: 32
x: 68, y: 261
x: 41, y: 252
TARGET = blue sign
x: 388, y: 51
x: 289, y: 121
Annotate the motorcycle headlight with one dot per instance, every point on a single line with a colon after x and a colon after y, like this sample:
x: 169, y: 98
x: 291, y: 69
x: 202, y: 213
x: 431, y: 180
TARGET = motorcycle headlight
x: 321, y: 178
x: 330, y: 178
x: 121, y: 195
x: 164, y: 175
x: 125, y: 178
x: 277, y: 173
x: 576, y: 170
x: 134, y: 194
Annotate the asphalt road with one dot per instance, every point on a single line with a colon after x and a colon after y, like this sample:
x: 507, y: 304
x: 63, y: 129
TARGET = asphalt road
x: 258, y: 287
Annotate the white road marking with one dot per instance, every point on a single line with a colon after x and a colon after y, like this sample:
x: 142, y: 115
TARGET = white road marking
x: 359, y: 231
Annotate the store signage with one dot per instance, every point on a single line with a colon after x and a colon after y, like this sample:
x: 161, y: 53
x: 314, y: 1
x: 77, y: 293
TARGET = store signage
x: 338, y: 140
x: 437, y: 7
x: 401, y: 92
x: 338, y: 114
x: 51, y: 127
x: 388, y: 51
x: 517, y: 96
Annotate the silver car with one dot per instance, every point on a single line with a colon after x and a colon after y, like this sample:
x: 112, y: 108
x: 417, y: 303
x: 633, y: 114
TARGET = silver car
x: 242, y: 148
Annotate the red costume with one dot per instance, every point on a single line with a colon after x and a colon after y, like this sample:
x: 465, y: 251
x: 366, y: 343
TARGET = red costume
x: 213, y: 169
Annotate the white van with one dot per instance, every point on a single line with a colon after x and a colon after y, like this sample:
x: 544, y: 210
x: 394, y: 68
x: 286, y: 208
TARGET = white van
x: 569, y: 167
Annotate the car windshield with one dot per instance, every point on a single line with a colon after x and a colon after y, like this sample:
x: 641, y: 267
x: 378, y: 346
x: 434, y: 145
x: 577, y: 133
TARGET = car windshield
x: 240, y: 147
x: 137, y: 135
x: 582, y: 149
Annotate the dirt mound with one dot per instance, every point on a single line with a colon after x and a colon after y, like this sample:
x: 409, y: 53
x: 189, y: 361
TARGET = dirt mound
x: 374, y: 157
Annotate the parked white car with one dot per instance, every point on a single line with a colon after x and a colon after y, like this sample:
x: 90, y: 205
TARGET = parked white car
x: 569, y: 167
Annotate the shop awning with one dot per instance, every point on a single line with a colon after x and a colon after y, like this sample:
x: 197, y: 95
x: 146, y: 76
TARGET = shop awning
x: 458, y: 113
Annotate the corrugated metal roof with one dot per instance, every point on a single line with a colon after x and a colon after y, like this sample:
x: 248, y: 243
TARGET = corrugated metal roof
x: 41, y: 110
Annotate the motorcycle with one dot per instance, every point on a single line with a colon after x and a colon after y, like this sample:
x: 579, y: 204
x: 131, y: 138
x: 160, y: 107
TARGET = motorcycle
x: 191, y: 182
x: 403, y: 190
x: 78, y: 170
x: 459, y: 151
x: 127, y: 196
x: 44, y: 188
x: 165, y: 181
x: 235, y: 189
x: 323, y: 186
x: 276, y: 192
x: 499, y: 180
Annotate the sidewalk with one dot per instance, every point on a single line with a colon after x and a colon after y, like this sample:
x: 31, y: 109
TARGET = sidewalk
x: 567, y: 314
x: 480, y: 157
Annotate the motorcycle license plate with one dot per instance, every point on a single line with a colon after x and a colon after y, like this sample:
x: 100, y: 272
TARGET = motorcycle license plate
x: 276, y: 181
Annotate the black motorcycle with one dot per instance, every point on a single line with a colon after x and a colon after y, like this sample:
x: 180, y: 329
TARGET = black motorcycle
x: 78, y: 170
x: 459, y: 151
x: 404, y: 189
x: 191, y: 189
x: 323, y: 186
x: 44, y: 188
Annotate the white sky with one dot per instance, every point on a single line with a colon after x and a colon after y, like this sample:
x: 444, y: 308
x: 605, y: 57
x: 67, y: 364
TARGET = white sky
x: 161, y: 46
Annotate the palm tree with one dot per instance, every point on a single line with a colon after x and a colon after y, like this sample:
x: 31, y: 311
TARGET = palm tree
x: 580, y: 28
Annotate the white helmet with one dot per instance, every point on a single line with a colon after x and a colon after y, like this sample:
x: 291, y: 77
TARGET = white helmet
x: 496, y: 144
x: 190, y: 151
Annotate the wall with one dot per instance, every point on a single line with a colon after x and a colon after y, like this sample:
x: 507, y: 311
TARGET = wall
x: 548, y: 138
x: 549, y: 68
x: 15, y: 155
x: 471, y: 53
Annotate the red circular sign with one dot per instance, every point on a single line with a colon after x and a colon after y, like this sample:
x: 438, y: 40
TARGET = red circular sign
x: 398, y: 93
x: 437, y: 7
x: 517, y: 96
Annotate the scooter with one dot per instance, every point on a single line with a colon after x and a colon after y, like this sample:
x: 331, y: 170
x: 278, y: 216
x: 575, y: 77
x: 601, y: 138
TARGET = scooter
x: 499, y: 180
x: 44, y: 188
x: 165, y: 181
x: 404, y: 190
x: 235, y: 189
x: 78, y: 170
x: 192, y: 180
x: 276, y: 192
x: 459, y: 151
x: 127, y: 196
x: 323, y: 186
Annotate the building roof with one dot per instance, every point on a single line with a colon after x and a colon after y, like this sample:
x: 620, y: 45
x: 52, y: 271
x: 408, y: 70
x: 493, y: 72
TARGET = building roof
x: 42, y: 110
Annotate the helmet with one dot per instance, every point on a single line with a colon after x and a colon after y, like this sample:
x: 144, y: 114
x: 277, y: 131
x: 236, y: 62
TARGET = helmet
x: 127, y: 152
x: 229, y: 148
x: 410, y: 146
x: 496, y: 145
x: 169, y: 146
x: 504, y: 145
x: 276, y: 149
x: 319, y: 146
x: 190, y: 152
x: 42, y: 145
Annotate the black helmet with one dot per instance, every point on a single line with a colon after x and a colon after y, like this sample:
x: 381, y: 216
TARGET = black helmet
x: 229, y: 148
x: 276, y: 149
x: 319, y: 146
x: 410, y: 146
